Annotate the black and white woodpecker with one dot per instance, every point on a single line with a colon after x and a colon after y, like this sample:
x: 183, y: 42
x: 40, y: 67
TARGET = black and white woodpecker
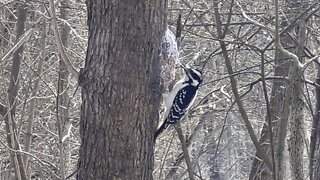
x: 180, y: 98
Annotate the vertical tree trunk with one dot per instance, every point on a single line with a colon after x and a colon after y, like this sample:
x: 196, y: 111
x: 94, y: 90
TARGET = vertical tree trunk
x: 12, y: 140
x: 120, y: 89
x: 63, y: 122
x: 29, y: 129
x: 296, y: 140
x: 314, y: 161
x: 259, y: 169
x: 286, y: 105
x: 315, y: 140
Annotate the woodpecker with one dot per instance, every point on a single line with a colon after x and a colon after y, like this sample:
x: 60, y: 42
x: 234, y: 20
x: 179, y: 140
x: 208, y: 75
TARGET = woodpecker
x: 180, y: 98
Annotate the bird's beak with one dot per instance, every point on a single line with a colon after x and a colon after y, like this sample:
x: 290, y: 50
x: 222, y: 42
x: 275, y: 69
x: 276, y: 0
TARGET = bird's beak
x: 184, y: 67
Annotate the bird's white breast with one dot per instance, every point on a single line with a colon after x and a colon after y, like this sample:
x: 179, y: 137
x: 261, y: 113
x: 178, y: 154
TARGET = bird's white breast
x: 169, y: 98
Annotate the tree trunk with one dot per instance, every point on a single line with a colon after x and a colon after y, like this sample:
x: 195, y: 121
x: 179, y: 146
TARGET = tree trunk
x: 259, y: 169
x: 120, y: 89
x: 63, y: 122
x: 296, y: 139
x: 13, y: 88
x: 315, y: 140
x: 30, y: 119
x: 286, y: 104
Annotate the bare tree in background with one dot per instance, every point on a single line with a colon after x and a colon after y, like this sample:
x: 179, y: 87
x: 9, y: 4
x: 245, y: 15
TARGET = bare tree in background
x: 314, y: 163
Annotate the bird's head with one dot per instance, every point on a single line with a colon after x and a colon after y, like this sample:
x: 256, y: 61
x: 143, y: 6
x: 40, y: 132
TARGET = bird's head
x: 195, y: 76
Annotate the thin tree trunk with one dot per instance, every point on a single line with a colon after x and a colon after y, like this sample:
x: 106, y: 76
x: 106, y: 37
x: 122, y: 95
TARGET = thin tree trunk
x: 283, y: 101
x: 296, y: 139
x: 120, y: 89
x: 292, y: 103
x: 12, y: 94
x: 315, y: 140
x: 314, y: 161
x: 34, y: 93
x: 259, y: 169
x: 185, y: 150
x: 63, y: 92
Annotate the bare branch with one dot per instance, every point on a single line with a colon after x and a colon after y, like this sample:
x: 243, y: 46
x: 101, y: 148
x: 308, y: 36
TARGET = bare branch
x: 305, y: 65
x: 185, y: 150
x: 22, y: 40
x: 238, y: 101
x: 3, y: 110
x: 275, y: 31
x: 68, y: 133
x: 33, y: 156
x: 244, y: 14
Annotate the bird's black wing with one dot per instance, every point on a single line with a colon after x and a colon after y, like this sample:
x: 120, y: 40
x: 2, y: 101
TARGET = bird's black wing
x: 180, y: 105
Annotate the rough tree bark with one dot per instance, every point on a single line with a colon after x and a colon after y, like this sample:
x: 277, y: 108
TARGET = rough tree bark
x: 120, y: 89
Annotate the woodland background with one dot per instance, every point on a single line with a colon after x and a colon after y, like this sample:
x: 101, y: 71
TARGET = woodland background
x: 254, y: 86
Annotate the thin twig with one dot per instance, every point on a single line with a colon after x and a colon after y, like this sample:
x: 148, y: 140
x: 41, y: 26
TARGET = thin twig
x: 269, y: 120
x: 185, y: 150
x: 25, y: 37
x: 33, y: 156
